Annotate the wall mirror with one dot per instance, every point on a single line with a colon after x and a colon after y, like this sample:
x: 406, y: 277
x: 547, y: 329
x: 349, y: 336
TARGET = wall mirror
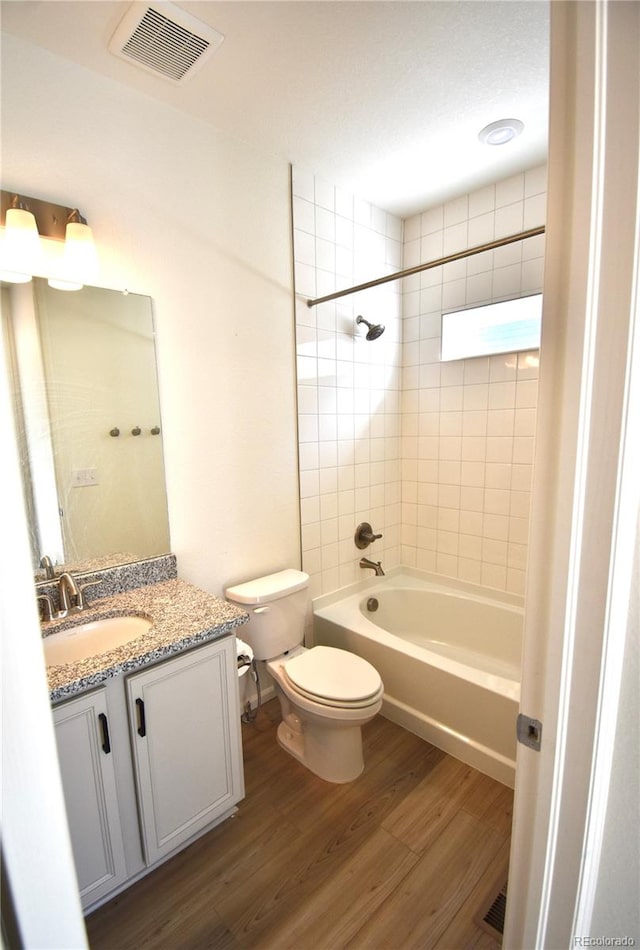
x: 82, y: 370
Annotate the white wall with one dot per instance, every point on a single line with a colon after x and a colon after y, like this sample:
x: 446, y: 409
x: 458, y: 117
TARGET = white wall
x: 202, y: 224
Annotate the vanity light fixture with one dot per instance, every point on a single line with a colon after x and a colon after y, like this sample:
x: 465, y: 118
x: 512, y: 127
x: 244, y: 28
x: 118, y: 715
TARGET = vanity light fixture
x: 501, y: 132
x: 20, y: 252
x: 79, y: 258
x: 26, y: 220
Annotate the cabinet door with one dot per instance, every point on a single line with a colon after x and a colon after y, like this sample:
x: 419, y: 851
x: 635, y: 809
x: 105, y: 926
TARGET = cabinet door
x: 88, y: 779
x: 187, y: 745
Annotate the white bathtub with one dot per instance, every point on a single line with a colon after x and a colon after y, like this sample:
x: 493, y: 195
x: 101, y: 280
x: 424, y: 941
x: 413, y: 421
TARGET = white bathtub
x: 449, y: 657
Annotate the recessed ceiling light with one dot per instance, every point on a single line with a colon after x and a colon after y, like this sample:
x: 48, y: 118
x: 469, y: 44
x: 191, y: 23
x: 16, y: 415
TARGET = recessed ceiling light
x: 501, y: 132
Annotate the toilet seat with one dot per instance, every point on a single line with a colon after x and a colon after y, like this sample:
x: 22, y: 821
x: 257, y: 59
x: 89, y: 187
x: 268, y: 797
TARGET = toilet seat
x: 333, y: 677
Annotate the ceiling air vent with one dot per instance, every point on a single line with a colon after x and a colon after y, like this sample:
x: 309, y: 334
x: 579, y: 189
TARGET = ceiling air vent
x: 164, y: 40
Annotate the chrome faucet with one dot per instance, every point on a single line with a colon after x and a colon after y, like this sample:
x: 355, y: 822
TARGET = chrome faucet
x: 69, y: 593
x: 374, y: 565
x: 47, y: 564
x: 70, y: 597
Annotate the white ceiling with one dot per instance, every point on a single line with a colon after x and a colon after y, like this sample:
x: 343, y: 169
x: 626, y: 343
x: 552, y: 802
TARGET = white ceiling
x: 384, y: 97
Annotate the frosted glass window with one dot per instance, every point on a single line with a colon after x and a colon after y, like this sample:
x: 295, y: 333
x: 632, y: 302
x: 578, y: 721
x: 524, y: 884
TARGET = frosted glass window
x: 506, y: 327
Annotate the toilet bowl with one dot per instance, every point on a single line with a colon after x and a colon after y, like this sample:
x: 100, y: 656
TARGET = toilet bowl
x: 326, y: 695
x: 324, y: 732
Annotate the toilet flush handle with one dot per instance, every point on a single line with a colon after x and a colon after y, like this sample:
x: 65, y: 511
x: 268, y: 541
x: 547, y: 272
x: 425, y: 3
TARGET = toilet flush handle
x: 262, y: 610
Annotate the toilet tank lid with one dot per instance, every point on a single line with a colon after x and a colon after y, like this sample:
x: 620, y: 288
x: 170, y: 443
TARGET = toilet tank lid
x: 264, y: 589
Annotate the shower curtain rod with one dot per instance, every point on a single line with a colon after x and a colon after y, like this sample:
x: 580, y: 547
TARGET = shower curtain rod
x: 459, y: 255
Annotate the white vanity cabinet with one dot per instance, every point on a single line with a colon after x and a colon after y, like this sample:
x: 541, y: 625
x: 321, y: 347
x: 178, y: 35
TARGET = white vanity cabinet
x: 186, y: 742
x: 148, y: 762
x: 88, y: 779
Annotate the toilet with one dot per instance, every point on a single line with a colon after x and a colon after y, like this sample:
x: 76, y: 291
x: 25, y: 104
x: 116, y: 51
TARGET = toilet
x: 326, y: 695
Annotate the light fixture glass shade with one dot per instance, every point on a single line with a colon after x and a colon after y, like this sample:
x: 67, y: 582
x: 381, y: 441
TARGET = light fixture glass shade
x: 21, y: 251
x: 80, y: 263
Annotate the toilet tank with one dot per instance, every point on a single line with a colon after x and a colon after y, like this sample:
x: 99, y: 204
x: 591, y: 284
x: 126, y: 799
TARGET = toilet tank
x: 277, y: 607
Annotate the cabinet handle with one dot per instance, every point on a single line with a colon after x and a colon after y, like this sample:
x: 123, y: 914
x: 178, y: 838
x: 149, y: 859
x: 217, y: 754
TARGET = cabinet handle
x: 142, y: 724
x: 106, y: 744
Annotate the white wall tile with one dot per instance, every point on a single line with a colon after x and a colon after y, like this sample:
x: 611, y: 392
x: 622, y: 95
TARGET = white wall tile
x: 455, y: 238
x: 535, y: 181
x: 387, y: 421
x: 509, y: 254
x: 361, y: 212
x: 526, y: 394
x: 509, y: 190
x: 502, y: 395
x: 430, y: 220
x: 325, y: 255
x: 412, y: 229
x: 303, y: 184
x: 304, y: 247
x: 482, y: 201
x: 431, y: 249
x: 535, y: 209
x: 503, y: 367
x: 500, y: 422
x: 532, y: 275
x: 310, y: 510
x: 509, y: 219
x: 525, y: 422
x: 324, y: 194
x: 507, y: 282
x: 498, y: 475
x: 344, y: 203
x: 481, y: 229
x: 476, y: 397
x: 454, y: 295
x: 394, y: 228
x: 304, y: 215
x: 308, y: 428
x: 474, y: 421
x: 305, y: 278
x: 325, y: 224
x: 456, y: 211
x: 343, y: 232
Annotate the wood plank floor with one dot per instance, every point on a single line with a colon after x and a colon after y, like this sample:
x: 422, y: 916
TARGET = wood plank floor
x: 408, y: 856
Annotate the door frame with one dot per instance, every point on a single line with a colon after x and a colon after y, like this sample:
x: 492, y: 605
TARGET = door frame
x: 586, y: 493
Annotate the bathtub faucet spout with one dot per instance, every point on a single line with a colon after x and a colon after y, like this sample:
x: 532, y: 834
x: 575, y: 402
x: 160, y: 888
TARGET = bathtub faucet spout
x: 374, y: 565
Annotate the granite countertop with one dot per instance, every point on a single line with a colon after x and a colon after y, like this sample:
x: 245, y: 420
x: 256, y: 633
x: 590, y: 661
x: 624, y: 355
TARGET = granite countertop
x: 183, y: 617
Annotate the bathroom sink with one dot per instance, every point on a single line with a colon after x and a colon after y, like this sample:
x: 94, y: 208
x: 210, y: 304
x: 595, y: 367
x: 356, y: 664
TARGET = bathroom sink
x: 92, y: 638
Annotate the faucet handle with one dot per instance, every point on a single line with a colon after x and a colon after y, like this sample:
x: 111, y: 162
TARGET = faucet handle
x: 81, y: 589
x: 47, y: 607
x: 364, y: 535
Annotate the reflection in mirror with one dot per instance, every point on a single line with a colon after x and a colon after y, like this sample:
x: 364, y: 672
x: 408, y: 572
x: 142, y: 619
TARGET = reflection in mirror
x: 83, y: 373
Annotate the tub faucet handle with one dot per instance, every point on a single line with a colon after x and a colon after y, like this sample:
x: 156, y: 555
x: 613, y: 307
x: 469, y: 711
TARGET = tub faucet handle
x: 364, y: 535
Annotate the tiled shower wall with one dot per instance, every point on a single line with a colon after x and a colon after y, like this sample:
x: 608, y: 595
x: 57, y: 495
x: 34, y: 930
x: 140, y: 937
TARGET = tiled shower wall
x: 436, y: 456
x: 468, y: 426
x: 349, y: 389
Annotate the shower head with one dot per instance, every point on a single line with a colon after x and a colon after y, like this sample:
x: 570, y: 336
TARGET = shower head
x: 375, y: 329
